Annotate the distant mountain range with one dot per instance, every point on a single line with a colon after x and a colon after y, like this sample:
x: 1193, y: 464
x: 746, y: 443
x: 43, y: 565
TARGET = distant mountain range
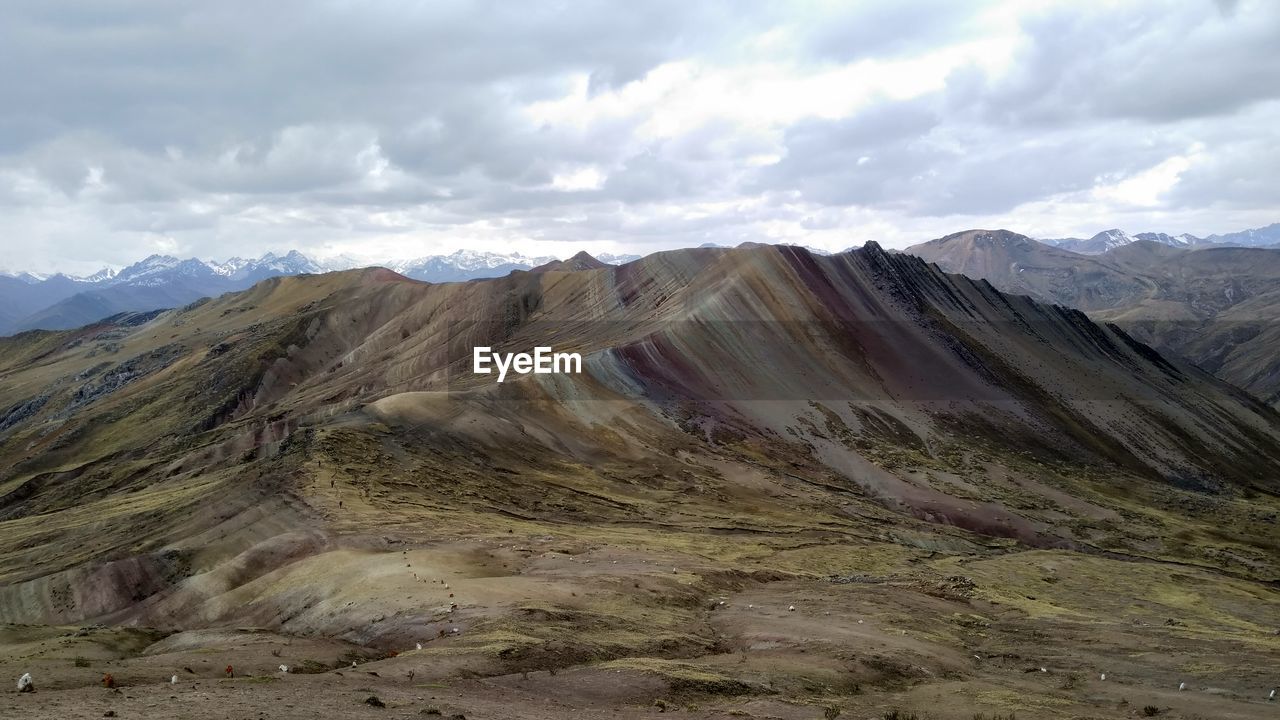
x: 29, y: 301
x: 1216, y: 305
x: 1114, y: 238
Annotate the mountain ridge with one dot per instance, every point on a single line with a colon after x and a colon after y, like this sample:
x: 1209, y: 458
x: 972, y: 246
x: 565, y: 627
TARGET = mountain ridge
x: 1214, y: 305
x: 164, y: 281
x: 761, y: 439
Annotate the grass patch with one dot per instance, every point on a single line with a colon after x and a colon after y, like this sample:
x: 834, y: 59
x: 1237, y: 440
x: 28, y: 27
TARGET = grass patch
x: 683, y: 677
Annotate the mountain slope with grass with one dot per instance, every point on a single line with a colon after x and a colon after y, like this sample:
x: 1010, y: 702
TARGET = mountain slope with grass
x: 782, y: 480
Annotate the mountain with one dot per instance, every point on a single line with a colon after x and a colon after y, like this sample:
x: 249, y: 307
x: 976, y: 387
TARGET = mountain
x: 1018, y: 264
x: 776, y: 474
x: 157, y: 282
x: 1100, y: 243
x: 26, y: 277
x: 1257, y: 237
x: 36, y: 302
x: 1115, y: 238
x: 1214, y: 306
x: 269, y: 265
x: 29, y: 301
x: 617, y: 259
x: 1183, y: 240
x: 21, y: 296
x: 581, y: 261
x: 465, y: 265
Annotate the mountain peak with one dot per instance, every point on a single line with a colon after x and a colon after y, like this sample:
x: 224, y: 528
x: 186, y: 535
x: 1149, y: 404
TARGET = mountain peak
x: 979, y: 237
x: 581, y: 261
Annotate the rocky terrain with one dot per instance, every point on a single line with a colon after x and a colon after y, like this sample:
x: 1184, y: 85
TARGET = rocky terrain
x: 1214, y: 306
x: 784, y: 486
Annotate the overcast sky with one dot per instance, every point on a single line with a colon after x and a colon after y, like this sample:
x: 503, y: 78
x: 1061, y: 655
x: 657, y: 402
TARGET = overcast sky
x: 386, y: 129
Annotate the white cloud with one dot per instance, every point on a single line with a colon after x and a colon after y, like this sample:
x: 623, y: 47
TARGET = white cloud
x: 1149, y: 187
x: 378, y: 131
x: 585, y: 178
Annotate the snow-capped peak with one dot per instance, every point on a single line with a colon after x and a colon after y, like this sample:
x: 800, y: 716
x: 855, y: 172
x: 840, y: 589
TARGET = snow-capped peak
x: 294, y: 262
x: 474, y: 259
x: 228, y: 268
x: 1183, y: 240
x: 103, y: 275
x: 612, y: 259
x: 149, y: 266
x: 29, y: 278
x: 1112, y: 238
x: 469, y: 260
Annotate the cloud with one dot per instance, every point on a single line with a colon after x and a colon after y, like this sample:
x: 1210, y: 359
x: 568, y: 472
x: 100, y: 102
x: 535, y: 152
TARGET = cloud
x: 1151, y: 61
x: 397, y: 128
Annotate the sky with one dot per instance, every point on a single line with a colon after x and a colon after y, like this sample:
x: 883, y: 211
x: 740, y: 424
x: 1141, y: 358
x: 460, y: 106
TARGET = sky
x: 394, y: 129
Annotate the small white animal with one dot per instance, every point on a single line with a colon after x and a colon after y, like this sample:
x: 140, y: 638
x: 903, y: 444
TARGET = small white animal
x: 1272, y: 696
x: 1044, y: 669
x: 1103, y: 676
x: 284, y: 669
x: 1182, y: 686
x: 419, y: 646
x: 173, y: 679
x: 26, y: 684
x: 791, y: 608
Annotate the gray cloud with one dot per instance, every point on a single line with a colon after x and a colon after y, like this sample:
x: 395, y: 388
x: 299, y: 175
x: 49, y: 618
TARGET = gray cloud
x: 235, y: 127
x: 1153, y: 61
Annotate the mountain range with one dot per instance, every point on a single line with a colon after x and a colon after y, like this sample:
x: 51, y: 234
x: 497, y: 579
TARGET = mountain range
x: 1216, y: 306
x: 1268, y: 236
x: 29, y: 301
x: 780, y: 479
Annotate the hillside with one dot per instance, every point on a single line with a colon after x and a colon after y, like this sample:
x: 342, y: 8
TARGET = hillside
x: 161, y: 282
x: 782, y: 481
x: 1214, y: 306
x: 1017, y: 264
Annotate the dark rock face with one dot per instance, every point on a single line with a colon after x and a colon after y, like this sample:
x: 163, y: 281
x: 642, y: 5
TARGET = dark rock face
x: 126, y: 372
x: 22, y: 411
